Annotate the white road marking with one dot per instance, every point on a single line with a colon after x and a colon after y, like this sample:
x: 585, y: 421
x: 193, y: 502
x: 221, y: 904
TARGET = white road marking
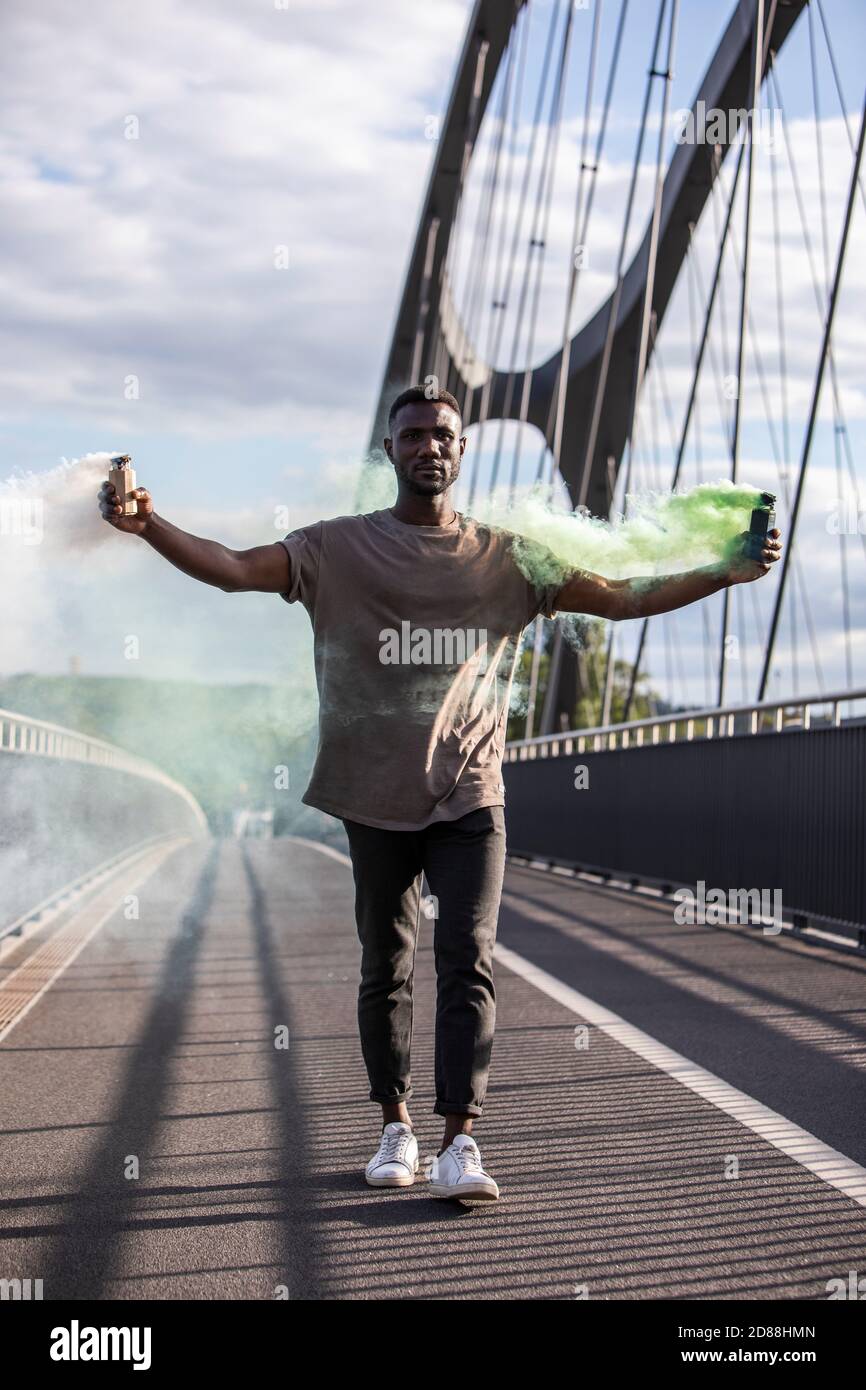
x: 804, y: 1148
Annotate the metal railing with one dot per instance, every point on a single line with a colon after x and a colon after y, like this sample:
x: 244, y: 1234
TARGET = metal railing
x: 19, y: 733
x: 62, y: 897
x: 686, y: 726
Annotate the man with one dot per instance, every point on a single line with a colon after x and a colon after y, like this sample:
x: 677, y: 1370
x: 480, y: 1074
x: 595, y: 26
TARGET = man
x: 417, y: 614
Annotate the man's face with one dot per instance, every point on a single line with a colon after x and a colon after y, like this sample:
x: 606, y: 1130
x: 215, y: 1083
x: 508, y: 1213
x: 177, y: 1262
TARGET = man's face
x: 426, y: 447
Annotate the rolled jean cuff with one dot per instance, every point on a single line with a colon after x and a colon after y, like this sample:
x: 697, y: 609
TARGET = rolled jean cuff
x: 392, y: 1099
x: 443, y: 1107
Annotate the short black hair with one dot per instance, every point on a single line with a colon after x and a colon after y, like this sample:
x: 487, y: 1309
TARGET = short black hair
x: 422, y: 394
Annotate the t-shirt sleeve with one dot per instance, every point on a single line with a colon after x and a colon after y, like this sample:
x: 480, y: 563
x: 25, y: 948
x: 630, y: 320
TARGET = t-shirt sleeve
x: 304, y: 549
x: 542, y: 599
x: 544, y: 576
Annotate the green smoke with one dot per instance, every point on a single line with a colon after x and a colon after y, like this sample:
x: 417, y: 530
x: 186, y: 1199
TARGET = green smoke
x: 662, y: 532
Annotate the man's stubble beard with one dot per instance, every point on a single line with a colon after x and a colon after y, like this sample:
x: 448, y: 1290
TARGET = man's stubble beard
x: 429, y: 487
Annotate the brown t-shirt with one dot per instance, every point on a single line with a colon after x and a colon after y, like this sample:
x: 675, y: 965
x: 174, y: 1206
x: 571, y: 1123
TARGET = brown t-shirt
x: 416, y: 637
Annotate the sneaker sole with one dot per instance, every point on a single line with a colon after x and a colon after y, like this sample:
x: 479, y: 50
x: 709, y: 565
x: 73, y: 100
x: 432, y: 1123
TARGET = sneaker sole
x: 399, y: 1181
x: 464, y: 1193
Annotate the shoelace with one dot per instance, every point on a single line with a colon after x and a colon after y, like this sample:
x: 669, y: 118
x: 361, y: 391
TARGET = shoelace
x: 393, y: 1146
x: 469, y: 1159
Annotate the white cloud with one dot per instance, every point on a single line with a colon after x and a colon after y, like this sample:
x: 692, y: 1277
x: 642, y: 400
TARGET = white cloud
x: 154, y: 257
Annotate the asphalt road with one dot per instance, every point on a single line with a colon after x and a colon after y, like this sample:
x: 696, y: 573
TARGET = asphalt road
x: 156, y: 1142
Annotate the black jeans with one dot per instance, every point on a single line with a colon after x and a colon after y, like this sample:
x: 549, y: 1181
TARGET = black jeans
x: 464, y: 862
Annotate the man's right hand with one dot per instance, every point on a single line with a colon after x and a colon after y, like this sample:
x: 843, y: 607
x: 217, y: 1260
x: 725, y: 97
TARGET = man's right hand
x: 110, y: 506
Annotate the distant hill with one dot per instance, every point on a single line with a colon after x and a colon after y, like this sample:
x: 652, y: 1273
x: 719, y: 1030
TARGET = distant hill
x: 223, y: 742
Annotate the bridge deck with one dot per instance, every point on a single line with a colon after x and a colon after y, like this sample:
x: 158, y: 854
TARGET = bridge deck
x: 157, y: 1042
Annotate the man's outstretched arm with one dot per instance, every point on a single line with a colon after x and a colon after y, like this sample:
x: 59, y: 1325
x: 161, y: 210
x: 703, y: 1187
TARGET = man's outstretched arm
x: 644, y: 598
x: 263, y: 569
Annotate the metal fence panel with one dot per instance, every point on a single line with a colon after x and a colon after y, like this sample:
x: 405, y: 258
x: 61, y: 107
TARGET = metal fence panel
x: 779, y: 811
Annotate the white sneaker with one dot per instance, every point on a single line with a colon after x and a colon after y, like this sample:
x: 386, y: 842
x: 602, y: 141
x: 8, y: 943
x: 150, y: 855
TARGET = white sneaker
x: 458, y: 1173
x: 396, y: 1162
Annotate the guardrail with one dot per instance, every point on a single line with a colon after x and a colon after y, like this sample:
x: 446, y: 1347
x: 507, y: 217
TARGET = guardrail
x: 19, y: 733
x: 686, y: 726
x: 67, y: 894
x: 679, y: 799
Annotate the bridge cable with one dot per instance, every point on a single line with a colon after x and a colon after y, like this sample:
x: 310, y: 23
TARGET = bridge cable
x: 704, y: 346
x: 658, y: 363
x: 782, y: 473
x: 691, y: 405
x: 783, y: 382
x: 673, y: 649
x: 480, y: 236
x: 556, y: 410
x: 723, y: 368
x: 518, y: 225
x: 825, y: 248
x: 473, y: 116
x: 780, y: 469
x: 747, y: 330
x: 580, y: 228
x: 843, y: 104
x: 500, y: 303
x: 816, y: 393
x: 601, y: 379
x: 652, y: 255
x: 754, y: 102
x: 537, y: 242
x: 501, y: 239
x: 707, y: 344
x: 698, y: 440
x: 473, y: 279
x: 819, y: 300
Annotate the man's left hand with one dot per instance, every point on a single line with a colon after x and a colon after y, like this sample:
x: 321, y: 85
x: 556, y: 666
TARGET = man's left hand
x: 742, y: 570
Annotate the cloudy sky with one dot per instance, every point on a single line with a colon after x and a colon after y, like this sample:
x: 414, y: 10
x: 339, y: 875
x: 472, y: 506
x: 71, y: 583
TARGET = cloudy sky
x: 207, y: 211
